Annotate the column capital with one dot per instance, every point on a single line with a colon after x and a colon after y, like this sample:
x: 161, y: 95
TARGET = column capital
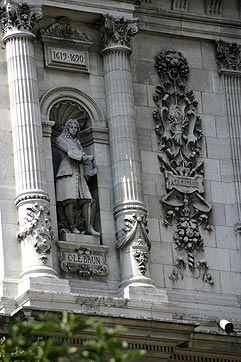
x: 117, y: 31
x: 228, y: 56
x: 17, y: 18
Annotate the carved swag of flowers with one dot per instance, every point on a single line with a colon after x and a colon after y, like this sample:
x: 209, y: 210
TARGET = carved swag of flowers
x: 37, y: 224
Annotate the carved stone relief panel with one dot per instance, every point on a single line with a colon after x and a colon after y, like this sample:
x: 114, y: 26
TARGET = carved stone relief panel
x: 178, y: 129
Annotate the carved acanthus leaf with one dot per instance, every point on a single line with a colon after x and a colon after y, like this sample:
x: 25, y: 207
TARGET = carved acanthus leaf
x: 228, y: 55
x: 19, y: 17
x: 63, y: 29
x: 117, y: 30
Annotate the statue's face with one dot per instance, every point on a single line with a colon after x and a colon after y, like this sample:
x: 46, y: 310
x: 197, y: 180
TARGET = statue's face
x: 73, y: 129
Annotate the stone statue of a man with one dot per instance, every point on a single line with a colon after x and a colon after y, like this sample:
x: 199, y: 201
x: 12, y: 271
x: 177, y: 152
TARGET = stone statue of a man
x: 71, y: 185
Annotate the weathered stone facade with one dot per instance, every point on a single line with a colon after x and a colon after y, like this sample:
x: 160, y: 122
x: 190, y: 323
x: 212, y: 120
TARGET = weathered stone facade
x: 152, y: 233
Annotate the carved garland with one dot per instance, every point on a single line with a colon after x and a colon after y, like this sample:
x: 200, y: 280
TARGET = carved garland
x: 37, y: 224
x: 134, y: 224
x: 179, y: 137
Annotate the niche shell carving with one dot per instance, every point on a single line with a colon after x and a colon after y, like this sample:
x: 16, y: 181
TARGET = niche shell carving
x: 179, y: 138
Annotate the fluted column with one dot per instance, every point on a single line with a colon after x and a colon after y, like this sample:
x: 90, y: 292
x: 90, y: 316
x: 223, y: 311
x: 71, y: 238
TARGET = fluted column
x: 32, y: 199
x: 129, y: 208
x: 228, y: 59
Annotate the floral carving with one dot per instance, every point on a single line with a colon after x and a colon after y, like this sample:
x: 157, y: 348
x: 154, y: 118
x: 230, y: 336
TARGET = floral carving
x: 63, y: 29
x: 20, y: 17
x: 134, y: 225
x: 117, y: 30
x: 228, y: 55
x: 37, y: 223
x: 179, y: 137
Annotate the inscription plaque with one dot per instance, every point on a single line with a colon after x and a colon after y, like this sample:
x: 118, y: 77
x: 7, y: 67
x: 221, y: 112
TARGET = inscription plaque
x: 83, y: 261
x: 68, y: 56
x: 184, y: 184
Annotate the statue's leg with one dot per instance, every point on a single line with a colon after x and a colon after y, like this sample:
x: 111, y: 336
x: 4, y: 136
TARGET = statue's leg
x: 89, y: 216
x: 69, y: 213
x: 62, y: 222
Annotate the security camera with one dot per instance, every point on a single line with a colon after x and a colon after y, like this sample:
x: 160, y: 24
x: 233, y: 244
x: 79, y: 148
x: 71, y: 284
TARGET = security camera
x: 226, y: 326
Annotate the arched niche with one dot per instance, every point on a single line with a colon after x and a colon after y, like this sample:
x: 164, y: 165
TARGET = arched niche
x: 58, y: 105
x: 63, y: 94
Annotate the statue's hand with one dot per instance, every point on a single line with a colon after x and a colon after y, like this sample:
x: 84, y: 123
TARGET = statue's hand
x: 75, y: 154
x: 88, y: 158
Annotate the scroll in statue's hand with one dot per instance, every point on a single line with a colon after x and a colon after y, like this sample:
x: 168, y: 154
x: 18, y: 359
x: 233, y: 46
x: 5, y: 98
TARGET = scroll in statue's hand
x: 75, y: 154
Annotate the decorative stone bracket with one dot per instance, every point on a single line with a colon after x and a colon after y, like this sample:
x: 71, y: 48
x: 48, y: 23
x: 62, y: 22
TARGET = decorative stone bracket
x: 179, y: 137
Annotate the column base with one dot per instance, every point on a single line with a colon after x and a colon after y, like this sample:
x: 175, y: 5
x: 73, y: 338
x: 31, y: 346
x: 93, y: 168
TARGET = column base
x: 38, y: 272
x: 143, y: 293
x: 32, y: 291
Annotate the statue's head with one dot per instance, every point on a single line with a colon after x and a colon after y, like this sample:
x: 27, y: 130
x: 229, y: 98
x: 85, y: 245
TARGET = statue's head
x: 72, y: 127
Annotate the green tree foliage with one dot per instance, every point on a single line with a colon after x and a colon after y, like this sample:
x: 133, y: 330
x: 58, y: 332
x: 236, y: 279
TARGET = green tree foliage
x: 30, y: 341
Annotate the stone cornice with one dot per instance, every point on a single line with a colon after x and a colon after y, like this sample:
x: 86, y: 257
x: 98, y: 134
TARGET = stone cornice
x: 187, y: 24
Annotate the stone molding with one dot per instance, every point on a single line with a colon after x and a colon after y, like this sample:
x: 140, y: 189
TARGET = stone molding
x: 179, y: 138
x: 31, y: 196
x: 117, y: 31
x: 20, y: 17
